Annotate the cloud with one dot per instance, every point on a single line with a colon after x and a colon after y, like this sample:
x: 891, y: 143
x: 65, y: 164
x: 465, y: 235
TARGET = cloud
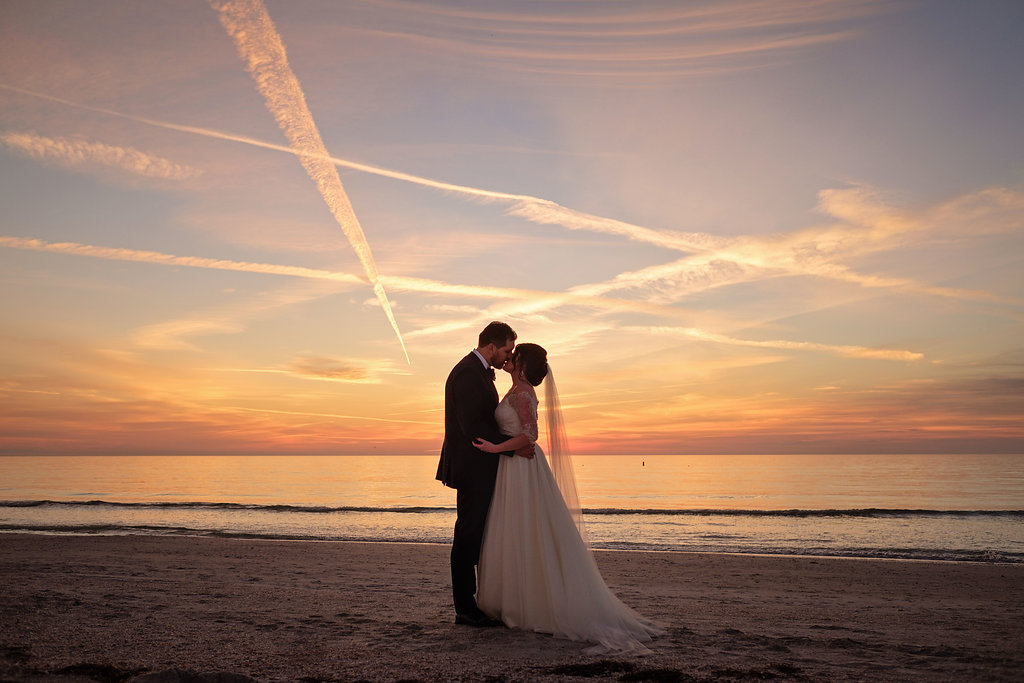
x: 63, y: 395
x: 329, y: 369
x: 259, y: 44
x: 634, y: 20
x: 81, y: 153
x: 336, y: 416
x: 842, y: 350
x: 813, y: 252
x: 797, y: 253
x: 174, y: 334
x: 863, y: 222
x: 867, y: 224
x: 332, y: 369
x: 994, y: 210
x: 545, y: 212
x: 155, y: 257
x: 229, y: 319
x: 539, y: 298
x: 634, y: 41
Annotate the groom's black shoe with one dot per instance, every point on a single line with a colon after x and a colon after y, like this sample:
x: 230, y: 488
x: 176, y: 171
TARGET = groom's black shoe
x: 478, y: 619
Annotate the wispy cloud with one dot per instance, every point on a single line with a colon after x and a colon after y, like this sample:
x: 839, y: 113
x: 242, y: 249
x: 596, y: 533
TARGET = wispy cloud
x: 259, y: 44
x: 850, y: 351
x: 328, y: 369
x: 636, y: 19
x: 336, y: 416
x: 637, y: 40
x: 118, y: 254
x: 230, y: 318
x: 344, y: 370
x: 534, y: 209
x: 69, y: 394
x: 754, y: 252
x: 866, y: 224
x: 691, y: 295
x: 173, y: 334
x: 331, y: 369
x: 73, y: 153
x: 863, y: 222
x: 540, y: 299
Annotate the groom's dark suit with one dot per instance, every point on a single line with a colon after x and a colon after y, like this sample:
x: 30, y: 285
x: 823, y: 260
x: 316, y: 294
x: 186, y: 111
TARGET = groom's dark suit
x: 469, y: 402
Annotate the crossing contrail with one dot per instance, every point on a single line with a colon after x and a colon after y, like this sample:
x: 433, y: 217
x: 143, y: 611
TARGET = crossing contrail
x: 525, y: 300
x: 778, y: 253
x: 141, y: 256
x: 259, y: 44
x: 394, y: 282
x: 535, y: 209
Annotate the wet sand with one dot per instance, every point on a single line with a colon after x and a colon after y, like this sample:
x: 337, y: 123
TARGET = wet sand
x: 119, y: 608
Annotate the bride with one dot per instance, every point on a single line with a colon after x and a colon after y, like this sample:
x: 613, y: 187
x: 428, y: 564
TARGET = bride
x: 536, y: 571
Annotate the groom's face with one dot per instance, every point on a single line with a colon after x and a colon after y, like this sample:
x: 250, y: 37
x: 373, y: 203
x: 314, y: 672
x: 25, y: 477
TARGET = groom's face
x: 501, y: 354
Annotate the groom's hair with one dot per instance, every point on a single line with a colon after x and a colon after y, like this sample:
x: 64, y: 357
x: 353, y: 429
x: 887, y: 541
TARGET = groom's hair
x: 496, y: 333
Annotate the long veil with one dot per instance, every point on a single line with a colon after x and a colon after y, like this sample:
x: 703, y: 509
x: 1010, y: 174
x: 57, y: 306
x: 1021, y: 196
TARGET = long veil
x: 559, y: 455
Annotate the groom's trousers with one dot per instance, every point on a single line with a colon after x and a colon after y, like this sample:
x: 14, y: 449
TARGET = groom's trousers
x: 472, y: 503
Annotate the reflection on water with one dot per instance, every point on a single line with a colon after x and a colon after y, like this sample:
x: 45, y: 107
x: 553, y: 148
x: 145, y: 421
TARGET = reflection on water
x: 783, y: 482
x: 756, y: 482
x: 851, y: 505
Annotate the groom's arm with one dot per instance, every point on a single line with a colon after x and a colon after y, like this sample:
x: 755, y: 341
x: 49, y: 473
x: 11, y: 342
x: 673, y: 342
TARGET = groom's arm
x: 527, y: 451
x: 473, y: 421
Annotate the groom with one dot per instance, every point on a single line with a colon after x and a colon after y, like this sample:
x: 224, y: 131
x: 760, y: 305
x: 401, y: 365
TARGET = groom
x: 469, y: 402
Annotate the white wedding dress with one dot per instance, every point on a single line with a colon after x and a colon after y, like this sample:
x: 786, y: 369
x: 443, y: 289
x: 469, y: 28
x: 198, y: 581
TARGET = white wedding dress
x: 536, y: 572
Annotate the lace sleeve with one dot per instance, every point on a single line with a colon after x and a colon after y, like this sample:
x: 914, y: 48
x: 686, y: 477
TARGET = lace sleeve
x: 526, y: 409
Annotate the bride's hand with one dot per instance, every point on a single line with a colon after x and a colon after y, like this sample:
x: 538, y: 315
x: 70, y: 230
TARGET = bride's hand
x: 485, y: 445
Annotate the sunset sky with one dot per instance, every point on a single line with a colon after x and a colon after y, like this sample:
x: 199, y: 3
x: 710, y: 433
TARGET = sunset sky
x: 749, y: 226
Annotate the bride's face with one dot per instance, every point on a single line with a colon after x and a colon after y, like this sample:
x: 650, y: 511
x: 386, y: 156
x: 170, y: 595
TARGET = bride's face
x: 509, y: 366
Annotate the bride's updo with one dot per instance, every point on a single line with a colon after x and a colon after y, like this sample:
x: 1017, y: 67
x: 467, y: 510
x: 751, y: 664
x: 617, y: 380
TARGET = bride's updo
x: 532, y: 361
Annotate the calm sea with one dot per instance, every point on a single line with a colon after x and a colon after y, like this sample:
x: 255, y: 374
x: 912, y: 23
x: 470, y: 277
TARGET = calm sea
x: 949, y: 507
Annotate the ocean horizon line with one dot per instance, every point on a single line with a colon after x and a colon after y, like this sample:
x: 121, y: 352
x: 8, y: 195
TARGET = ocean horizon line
x: 604, y: 511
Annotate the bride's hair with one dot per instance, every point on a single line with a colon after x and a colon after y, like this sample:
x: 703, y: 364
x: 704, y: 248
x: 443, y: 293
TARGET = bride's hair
x: 532, y: 361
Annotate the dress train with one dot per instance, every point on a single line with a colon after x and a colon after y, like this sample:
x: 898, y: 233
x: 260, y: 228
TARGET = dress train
x: 536, y: 572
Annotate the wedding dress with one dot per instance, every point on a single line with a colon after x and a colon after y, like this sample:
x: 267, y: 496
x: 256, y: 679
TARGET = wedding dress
x: 536, y: 571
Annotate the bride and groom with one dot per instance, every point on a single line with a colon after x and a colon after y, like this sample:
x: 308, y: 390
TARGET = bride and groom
x: 518, y: 525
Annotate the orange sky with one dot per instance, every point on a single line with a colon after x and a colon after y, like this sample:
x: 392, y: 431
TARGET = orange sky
x: 737, y: 228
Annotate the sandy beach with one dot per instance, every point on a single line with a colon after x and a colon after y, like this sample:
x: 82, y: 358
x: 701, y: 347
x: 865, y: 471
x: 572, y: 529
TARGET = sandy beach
x: 118, y: 608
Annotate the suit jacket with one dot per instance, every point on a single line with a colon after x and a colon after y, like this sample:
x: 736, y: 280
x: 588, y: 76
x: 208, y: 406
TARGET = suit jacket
x: 469, y: 402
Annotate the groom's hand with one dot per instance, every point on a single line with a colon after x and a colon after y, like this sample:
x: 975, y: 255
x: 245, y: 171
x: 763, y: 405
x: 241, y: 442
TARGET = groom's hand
x: 526, y: 451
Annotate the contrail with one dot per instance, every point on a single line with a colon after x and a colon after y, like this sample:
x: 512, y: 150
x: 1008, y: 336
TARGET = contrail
x: 843, y: 350
x: 139, y: 256
x: 534, y: 209
x: 778, y: 254
x: 545, y: 299
x: 76, y: 152
x: 259, y: 44
x: 528, y: 300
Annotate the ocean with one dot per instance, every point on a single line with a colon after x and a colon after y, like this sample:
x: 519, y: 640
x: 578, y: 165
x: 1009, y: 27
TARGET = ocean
x: 935, y: 507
